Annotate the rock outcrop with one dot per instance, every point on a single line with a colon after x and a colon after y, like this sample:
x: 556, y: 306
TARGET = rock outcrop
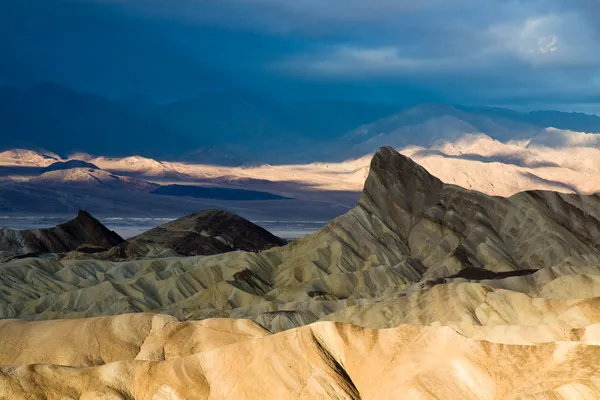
x: 72, y: 235
x: 205, y: 233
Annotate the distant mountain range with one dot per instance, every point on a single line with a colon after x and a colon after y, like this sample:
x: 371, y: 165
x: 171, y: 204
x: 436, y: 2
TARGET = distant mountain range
x: 299, y: 171
x: 230, y: 128
x: 226, y: 128
x: 429, y: 125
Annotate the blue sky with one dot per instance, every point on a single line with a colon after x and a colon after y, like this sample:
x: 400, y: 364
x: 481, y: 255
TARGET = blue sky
x: 526, y: 53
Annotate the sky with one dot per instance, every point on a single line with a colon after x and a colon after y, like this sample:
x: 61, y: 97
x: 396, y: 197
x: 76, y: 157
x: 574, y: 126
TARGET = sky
x: 519, y: 53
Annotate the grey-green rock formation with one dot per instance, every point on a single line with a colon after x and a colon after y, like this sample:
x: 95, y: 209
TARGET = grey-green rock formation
x: 409, y: 232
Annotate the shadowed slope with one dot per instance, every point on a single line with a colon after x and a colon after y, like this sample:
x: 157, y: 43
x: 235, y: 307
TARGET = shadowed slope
x: 204, y: 233
x: 61, y: 165
x: 216, y: 193
x: 84, y: 229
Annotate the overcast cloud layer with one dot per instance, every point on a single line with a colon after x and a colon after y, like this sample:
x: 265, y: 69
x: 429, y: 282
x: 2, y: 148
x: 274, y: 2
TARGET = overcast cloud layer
x: 538, y: 53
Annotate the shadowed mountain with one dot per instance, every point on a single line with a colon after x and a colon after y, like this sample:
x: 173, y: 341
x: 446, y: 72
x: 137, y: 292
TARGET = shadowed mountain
x: 204, y: 233
x: 232, y: 128
x: 201, y: 129
x: 57, y: 118
x: 62, y: 165
x: 202, y: 192
x: 429, y: 124
x: 83, y: 230
x: 573, y: 121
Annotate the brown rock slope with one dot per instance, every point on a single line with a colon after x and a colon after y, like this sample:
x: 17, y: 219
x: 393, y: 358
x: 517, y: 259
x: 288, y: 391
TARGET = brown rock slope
x: 84, y: 229
x: 205, y: 233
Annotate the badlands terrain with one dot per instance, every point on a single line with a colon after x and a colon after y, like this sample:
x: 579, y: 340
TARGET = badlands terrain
x: 423, y: 290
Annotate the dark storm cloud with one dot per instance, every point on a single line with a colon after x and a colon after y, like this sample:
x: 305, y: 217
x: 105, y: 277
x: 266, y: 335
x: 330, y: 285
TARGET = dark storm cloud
x: 87, y: 45
x: 100, y: 47
x: 487, y: 51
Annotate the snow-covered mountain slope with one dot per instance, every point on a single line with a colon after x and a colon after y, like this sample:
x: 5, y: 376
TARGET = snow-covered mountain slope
x: 27, y: 158
x: 475, y: 161
x: 426, y: 134
x: 133, y: 165
x: 481, y: 163
x: 561, y: 139
x: 429, y: 124
x: 93, y: 177
x: 490, y: 153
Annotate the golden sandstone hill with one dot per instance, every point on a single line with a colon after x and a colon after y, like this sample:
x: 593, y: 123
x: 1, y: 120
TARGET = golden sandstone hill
x: 422, y: 291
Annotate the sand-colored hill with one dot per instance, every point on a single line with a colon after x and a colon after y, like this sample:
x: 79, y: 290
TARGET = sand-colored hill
x: 138, y: 165
x: 322, y: 361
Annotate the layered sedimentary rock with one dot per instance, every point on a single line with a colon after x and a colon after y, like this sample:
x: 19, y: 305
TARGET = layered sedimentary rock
x: 423, y: 291
x: 407, y: 227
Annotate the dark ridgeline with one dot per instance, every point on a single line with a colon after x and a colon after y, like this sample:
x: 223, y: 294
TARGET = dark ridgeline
x: 83, y: 230
x: 205, y: 233
x: 205, y: 192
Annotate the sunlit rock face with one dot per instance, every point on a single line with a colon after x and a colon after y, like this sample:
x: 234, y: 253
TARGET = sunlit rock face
x: 423, y: 290
x: 235, y: 359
